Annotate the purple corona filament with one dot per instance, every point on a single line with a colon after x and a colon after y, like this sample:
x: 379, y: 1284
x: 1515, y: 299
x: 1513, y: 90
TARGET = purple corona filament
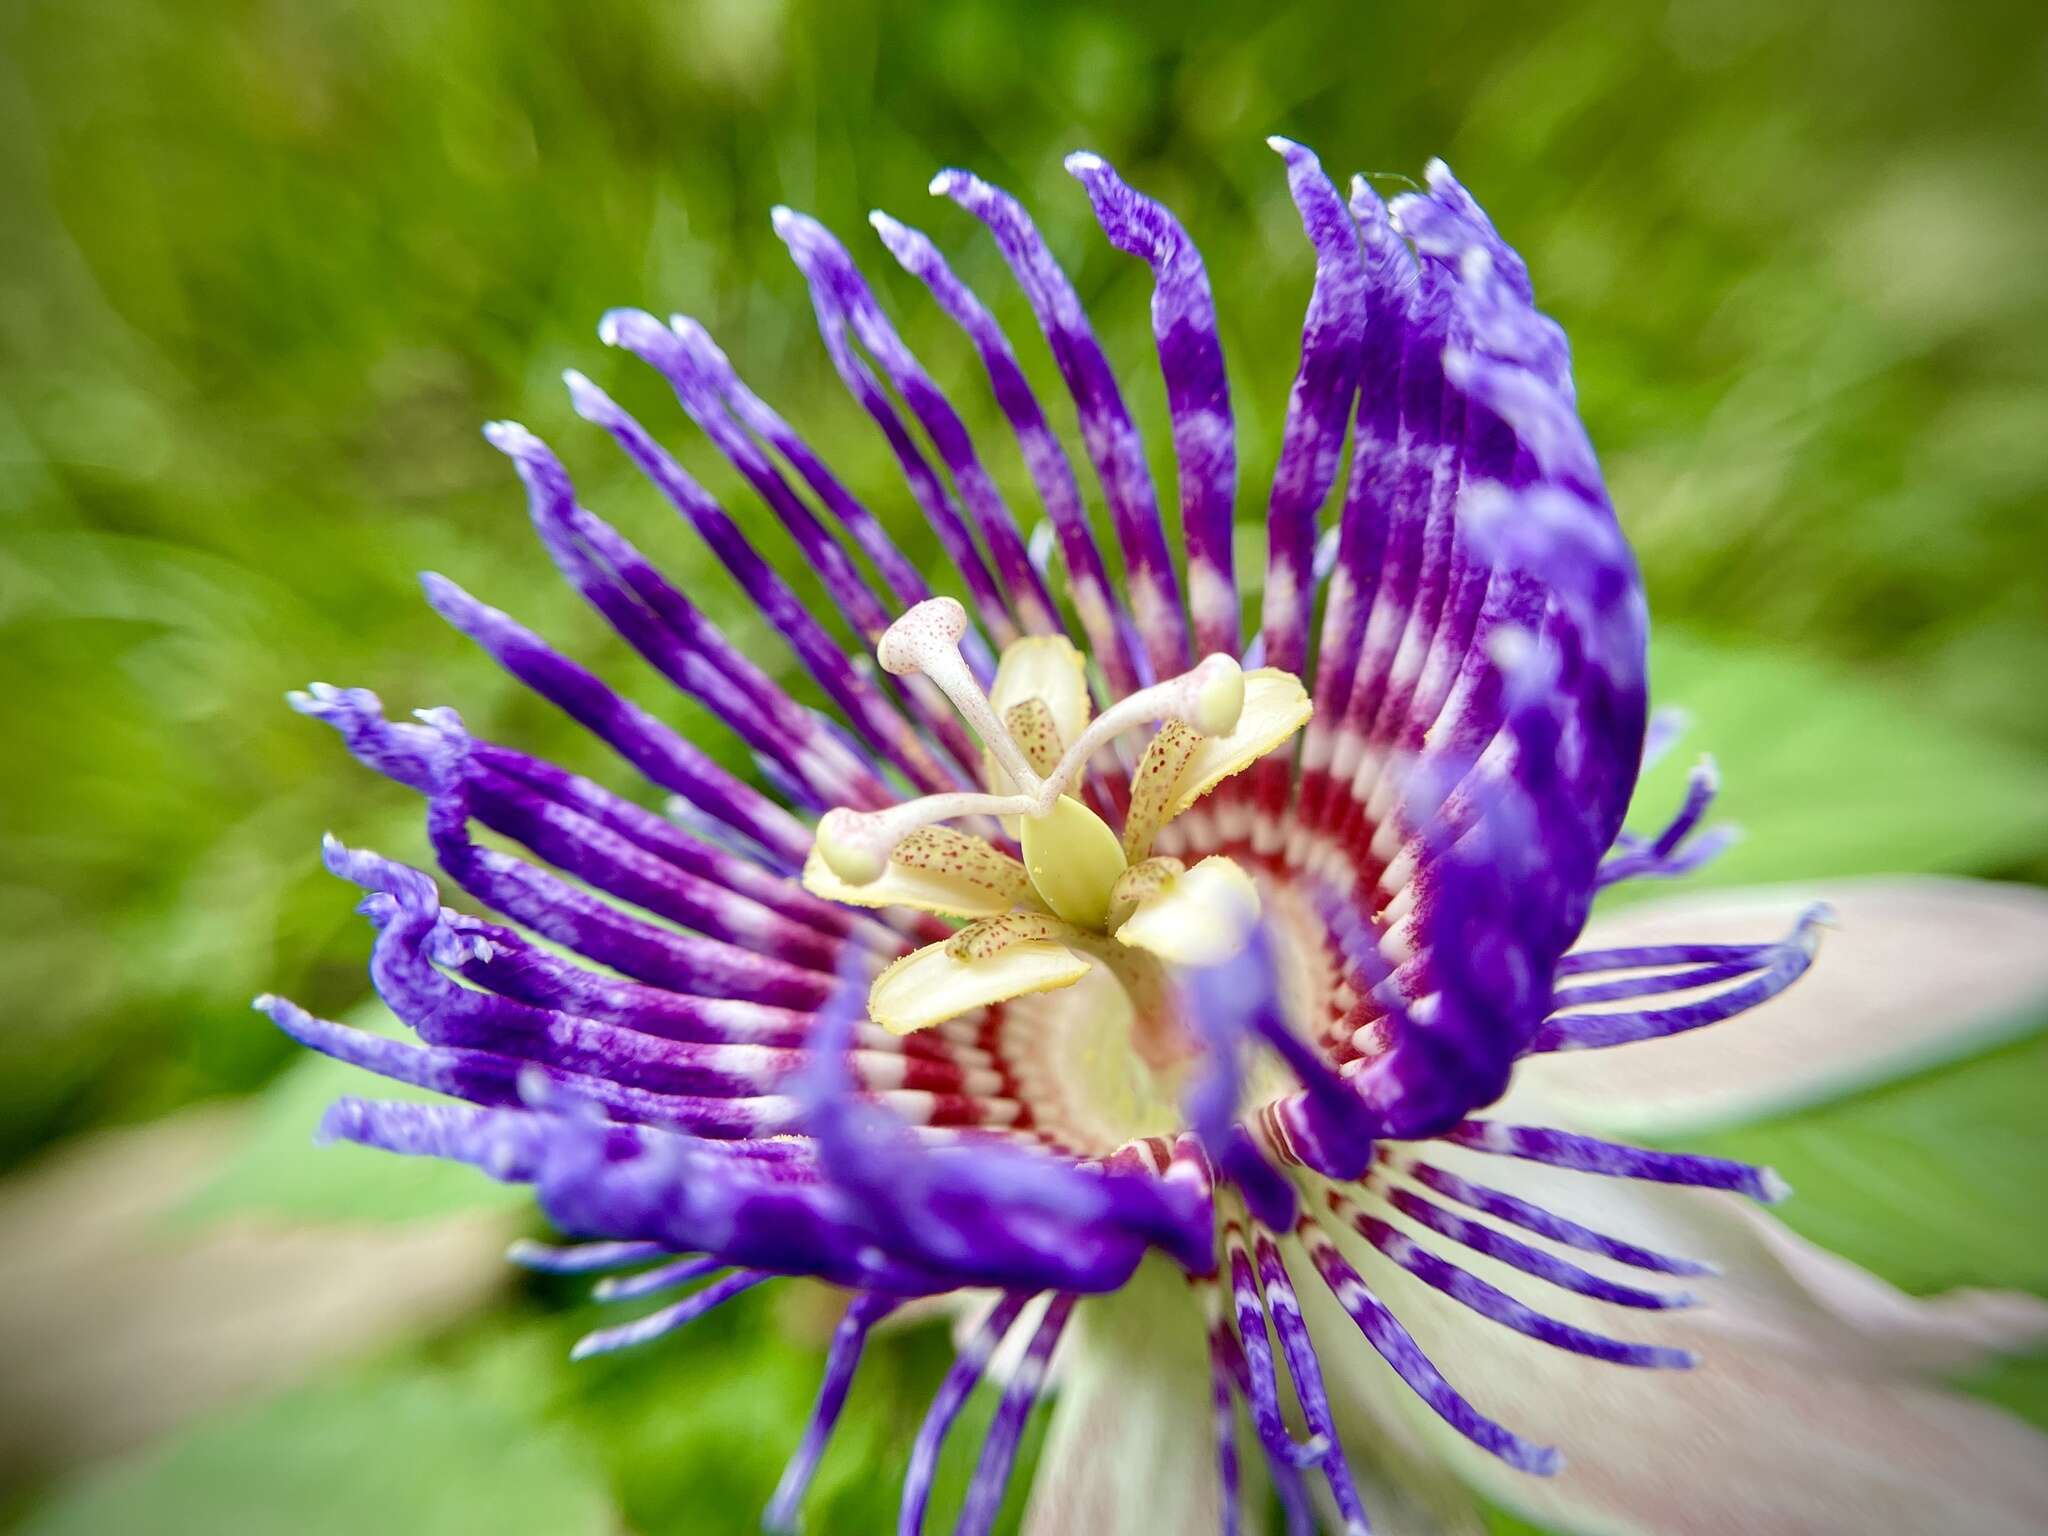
x: 662, y: 1031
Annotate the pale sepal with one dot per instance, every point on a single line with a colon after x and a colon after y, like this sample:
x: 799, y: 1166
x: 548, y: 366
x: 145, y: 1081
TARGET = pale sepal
x: 1809, y: 1411
x: 1915, y: 971
x: 1131, y: 1449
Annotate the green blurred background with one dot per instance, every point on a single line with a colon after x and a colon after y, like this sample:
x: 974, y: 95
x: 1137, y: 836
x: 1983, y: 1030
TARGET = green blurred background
x: 265, y: 268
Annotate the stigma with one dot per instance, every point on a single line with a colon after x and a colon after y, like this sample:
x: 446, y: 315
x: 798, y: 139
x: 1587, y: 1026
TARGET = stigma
x: 1081, y: 891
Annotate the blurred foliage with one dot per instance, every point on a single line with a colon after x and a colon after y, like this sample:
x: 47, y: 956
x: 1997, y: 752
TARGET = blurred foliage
x: 267, y: 264
x: 1933, y: 1182
x: 316, y: 1462
x: 282, y: 1171
x: 1822, y: 773
x: 686, y: 1438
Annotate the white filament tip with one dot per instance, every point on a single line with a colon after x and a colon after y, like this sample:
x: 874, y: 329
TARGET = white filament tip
x: 927, y: 632
x: 848, y: 843
x: 1216, y: 689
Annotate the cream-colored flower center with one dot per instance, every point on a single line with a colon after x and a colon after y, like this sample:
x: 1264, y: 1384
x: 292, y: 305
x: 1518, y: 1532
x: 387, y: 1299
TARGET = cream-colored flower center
x: 1083, y: 897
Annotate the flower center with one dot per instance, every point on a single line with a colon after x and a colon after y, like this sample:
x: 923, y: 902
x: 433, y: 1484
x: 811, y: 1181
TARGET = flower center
x: 1082, y: 897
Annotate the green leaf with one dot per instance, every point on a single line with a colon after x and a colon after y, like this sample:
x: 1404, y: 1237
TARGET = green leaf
x: 695, y: 1429
x: 1500, y: 1523
x: 281, y: 1171
x: 406, y: 1449
x: 1827, y: 773
x: 1931, y: 1182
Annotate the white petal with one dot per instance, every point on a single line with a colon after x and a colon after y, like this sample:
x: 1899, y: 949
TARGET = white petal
x: 928, y: 986
x: 1773, y: 1286
x: 1131, y: 1450
x: 1798, y: 1419
x: 1912, y: 971
x: 1948, y: 1333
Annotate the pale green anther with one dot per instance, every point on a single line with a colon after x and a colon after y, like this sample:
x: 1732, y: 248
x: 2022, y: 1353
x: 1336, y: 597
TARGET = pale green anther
x: 1199, y: 917
x: 1037, y: 733
x: 989, y: 937
x: 1159, y: 770
x: 1073, y: 859
x: 1146, y: 878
